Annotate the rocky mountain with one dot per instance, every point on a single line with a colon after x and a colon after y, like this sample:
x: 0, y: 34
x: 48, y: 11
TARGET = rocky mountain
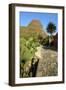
x: 34, y: 27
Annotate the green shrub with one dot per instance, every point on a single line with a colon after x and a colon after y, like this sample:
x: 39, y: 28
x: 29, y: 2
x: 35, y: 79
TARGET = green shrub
x: 27, y: 51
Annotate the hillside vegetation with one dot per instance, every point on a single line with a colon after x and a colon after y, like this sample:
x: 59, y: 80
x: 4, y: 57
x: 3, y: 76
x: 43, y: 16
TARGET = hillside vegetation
x: 32, y: 37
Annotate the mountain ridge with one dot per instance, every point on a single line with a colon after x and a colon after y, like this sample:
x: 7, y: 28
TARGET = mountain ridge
x: 34, y: 26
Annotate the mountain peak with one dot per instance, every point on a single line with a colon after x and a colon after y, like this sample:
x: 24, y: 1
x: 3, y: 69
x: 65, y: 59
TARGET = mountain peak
x: 34, y: 27
x: 35, y: 21
x: 35, y: 24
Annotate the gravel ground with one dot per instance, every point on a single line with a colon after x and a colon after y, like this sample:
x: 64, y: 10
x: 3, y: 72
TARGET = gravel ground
x: 48, y: 62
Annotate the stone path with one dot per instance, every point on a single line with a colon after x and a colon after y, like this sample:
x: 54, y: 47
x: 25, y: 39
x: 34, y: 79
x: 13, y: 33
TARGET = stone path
x: 48, y: 62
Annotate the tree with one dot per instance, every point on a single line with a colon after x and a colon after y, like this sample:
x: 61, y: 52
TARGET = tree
x: 51, y: 28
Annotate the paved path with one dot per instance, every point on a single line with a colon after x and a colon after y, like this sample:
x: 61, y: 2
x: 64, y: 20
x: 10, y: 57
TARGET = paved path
x: 47, y: 65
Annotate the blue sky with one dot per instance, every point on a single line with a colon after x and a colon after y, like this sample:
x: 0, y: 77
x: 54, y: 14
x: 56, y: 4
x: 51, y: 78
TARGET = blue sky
x: 45, y: 18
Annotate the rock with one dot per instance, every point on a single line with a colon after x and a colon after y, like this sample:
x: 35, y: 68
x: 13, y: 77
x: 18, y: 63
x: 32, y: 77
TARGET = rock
x: 48, y: 63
